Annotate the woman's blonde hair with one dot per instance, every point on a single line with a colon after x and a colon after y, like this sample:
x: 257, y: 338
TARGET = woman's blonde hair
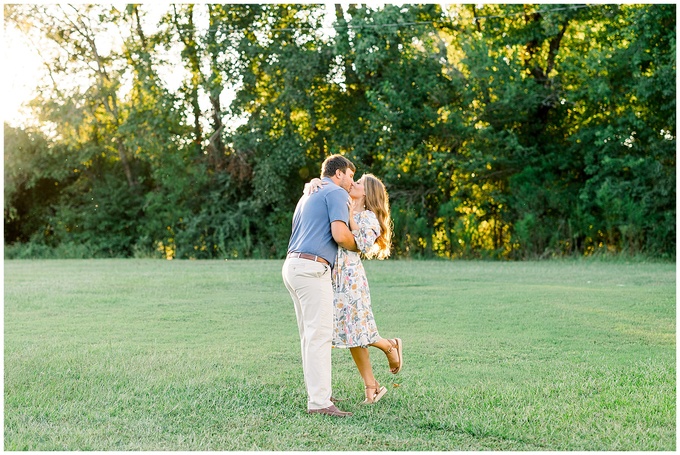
x: 378, y: 202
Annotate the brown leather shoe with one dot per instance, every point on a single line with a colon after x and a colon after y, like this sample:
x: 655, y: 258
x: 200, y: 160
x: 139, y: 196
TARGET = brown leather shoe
x: 331, y: 410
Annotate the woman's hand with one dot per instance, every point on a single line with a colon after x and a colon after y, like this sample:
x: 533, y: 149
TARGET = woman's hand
x: 313, y: 186
x: 353, y: 226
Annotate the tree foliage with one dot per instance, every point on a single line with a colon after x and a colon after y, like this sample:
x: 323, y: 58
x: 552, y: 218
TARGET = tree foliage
x: 503, y: 131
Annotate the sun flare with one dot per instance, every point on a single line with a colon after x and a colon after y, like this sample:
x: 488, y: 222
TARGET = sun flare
x: 22, y: 72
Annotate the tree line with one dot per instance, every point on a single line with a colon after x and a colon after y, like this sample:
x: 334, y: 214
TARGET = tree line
x: 501, y: 131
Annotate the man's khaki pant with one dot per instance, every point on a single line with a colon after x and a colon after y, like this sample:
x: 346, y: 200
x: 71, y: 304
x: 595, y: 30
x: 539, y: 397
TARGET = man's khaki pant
x: 310, y: 287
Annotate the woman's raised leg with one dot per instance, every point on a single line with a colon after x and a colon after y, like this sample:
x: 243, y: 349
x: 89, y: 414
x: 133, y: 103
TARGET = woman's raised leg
x: 393, y: 351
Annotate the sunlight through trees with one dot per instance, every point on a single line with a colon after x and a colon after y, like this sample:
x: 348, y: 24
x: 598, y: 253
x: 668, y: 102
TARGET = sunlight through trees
x: 501, y: 131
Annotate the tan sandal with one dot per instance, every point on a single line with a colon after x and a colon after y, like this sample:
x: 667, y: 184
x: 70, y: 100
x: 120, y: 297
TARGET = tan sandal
x: 378, y: 392
x: 396, y: 343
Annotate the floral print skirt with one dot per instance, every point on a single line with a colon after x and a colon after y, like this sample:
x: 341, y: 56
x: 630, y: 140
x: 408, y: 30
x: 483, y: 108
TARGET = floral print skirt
x: 354, y: 324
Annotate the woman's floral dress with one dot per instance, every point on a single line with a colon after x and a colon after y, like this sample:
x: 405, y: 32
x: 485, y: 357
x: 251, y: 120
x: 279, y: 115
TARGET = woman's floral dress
x: 354, y: 324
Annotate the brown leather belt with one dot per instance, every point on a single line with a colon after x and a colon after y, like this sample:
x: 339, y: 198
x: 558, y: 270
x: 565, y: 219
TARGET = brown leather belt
x: 311, y: 257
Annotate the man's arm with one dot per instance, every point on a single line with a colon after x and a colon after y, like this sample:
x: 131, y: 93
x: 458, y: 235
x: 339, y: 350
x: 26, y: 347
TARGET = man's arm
x: 343, y: 236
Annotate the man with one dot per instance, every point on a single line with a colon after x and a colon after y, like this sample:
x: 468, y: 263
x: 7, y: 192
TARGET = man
x: 320, y: 224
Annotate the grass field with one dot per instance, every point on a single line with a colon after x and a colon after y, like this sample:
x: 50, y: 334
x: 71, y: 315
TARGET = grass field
x: 191, y: 355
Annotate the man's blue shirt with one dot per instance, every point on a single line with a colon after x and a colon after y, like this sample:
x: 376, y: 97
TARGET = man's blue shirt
x: 312, y: 221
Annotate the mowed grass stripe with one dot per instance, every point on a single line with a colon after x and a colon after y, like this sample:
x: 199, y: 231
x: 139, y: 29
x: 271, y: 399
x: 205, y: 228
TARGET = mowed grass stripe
x: 204, y: 355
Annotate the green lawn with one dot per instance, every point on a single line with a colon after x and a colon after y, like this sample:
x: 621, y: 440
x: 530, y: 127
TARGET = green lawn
x: 204, y: 355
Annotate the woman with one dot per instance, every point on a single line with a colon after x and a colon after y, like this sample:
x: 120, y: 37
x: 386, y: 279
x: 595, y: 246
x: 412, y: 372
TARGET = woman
x: 354, y: 324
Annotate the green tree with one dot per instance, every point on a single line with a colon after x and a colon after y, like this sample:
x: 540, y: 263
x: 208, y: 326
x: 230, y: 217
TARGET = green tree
x: 501, y: 131
x: 32, y: 180
x: 624, y: 107
x: 399, y: 114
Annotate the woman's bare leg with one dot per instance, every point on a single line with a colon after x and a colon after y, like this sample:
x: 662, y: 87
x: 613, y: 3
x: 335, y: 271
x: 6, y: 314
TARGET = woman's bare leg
x: 363, y: 363
x: 392, y: 356
x: 373, y: 390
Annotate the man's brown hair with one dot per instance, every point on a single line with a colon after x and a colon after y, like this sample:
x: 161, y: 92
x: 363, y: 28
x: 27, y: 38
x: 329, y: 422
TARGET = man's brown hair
x: 334, y: 163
